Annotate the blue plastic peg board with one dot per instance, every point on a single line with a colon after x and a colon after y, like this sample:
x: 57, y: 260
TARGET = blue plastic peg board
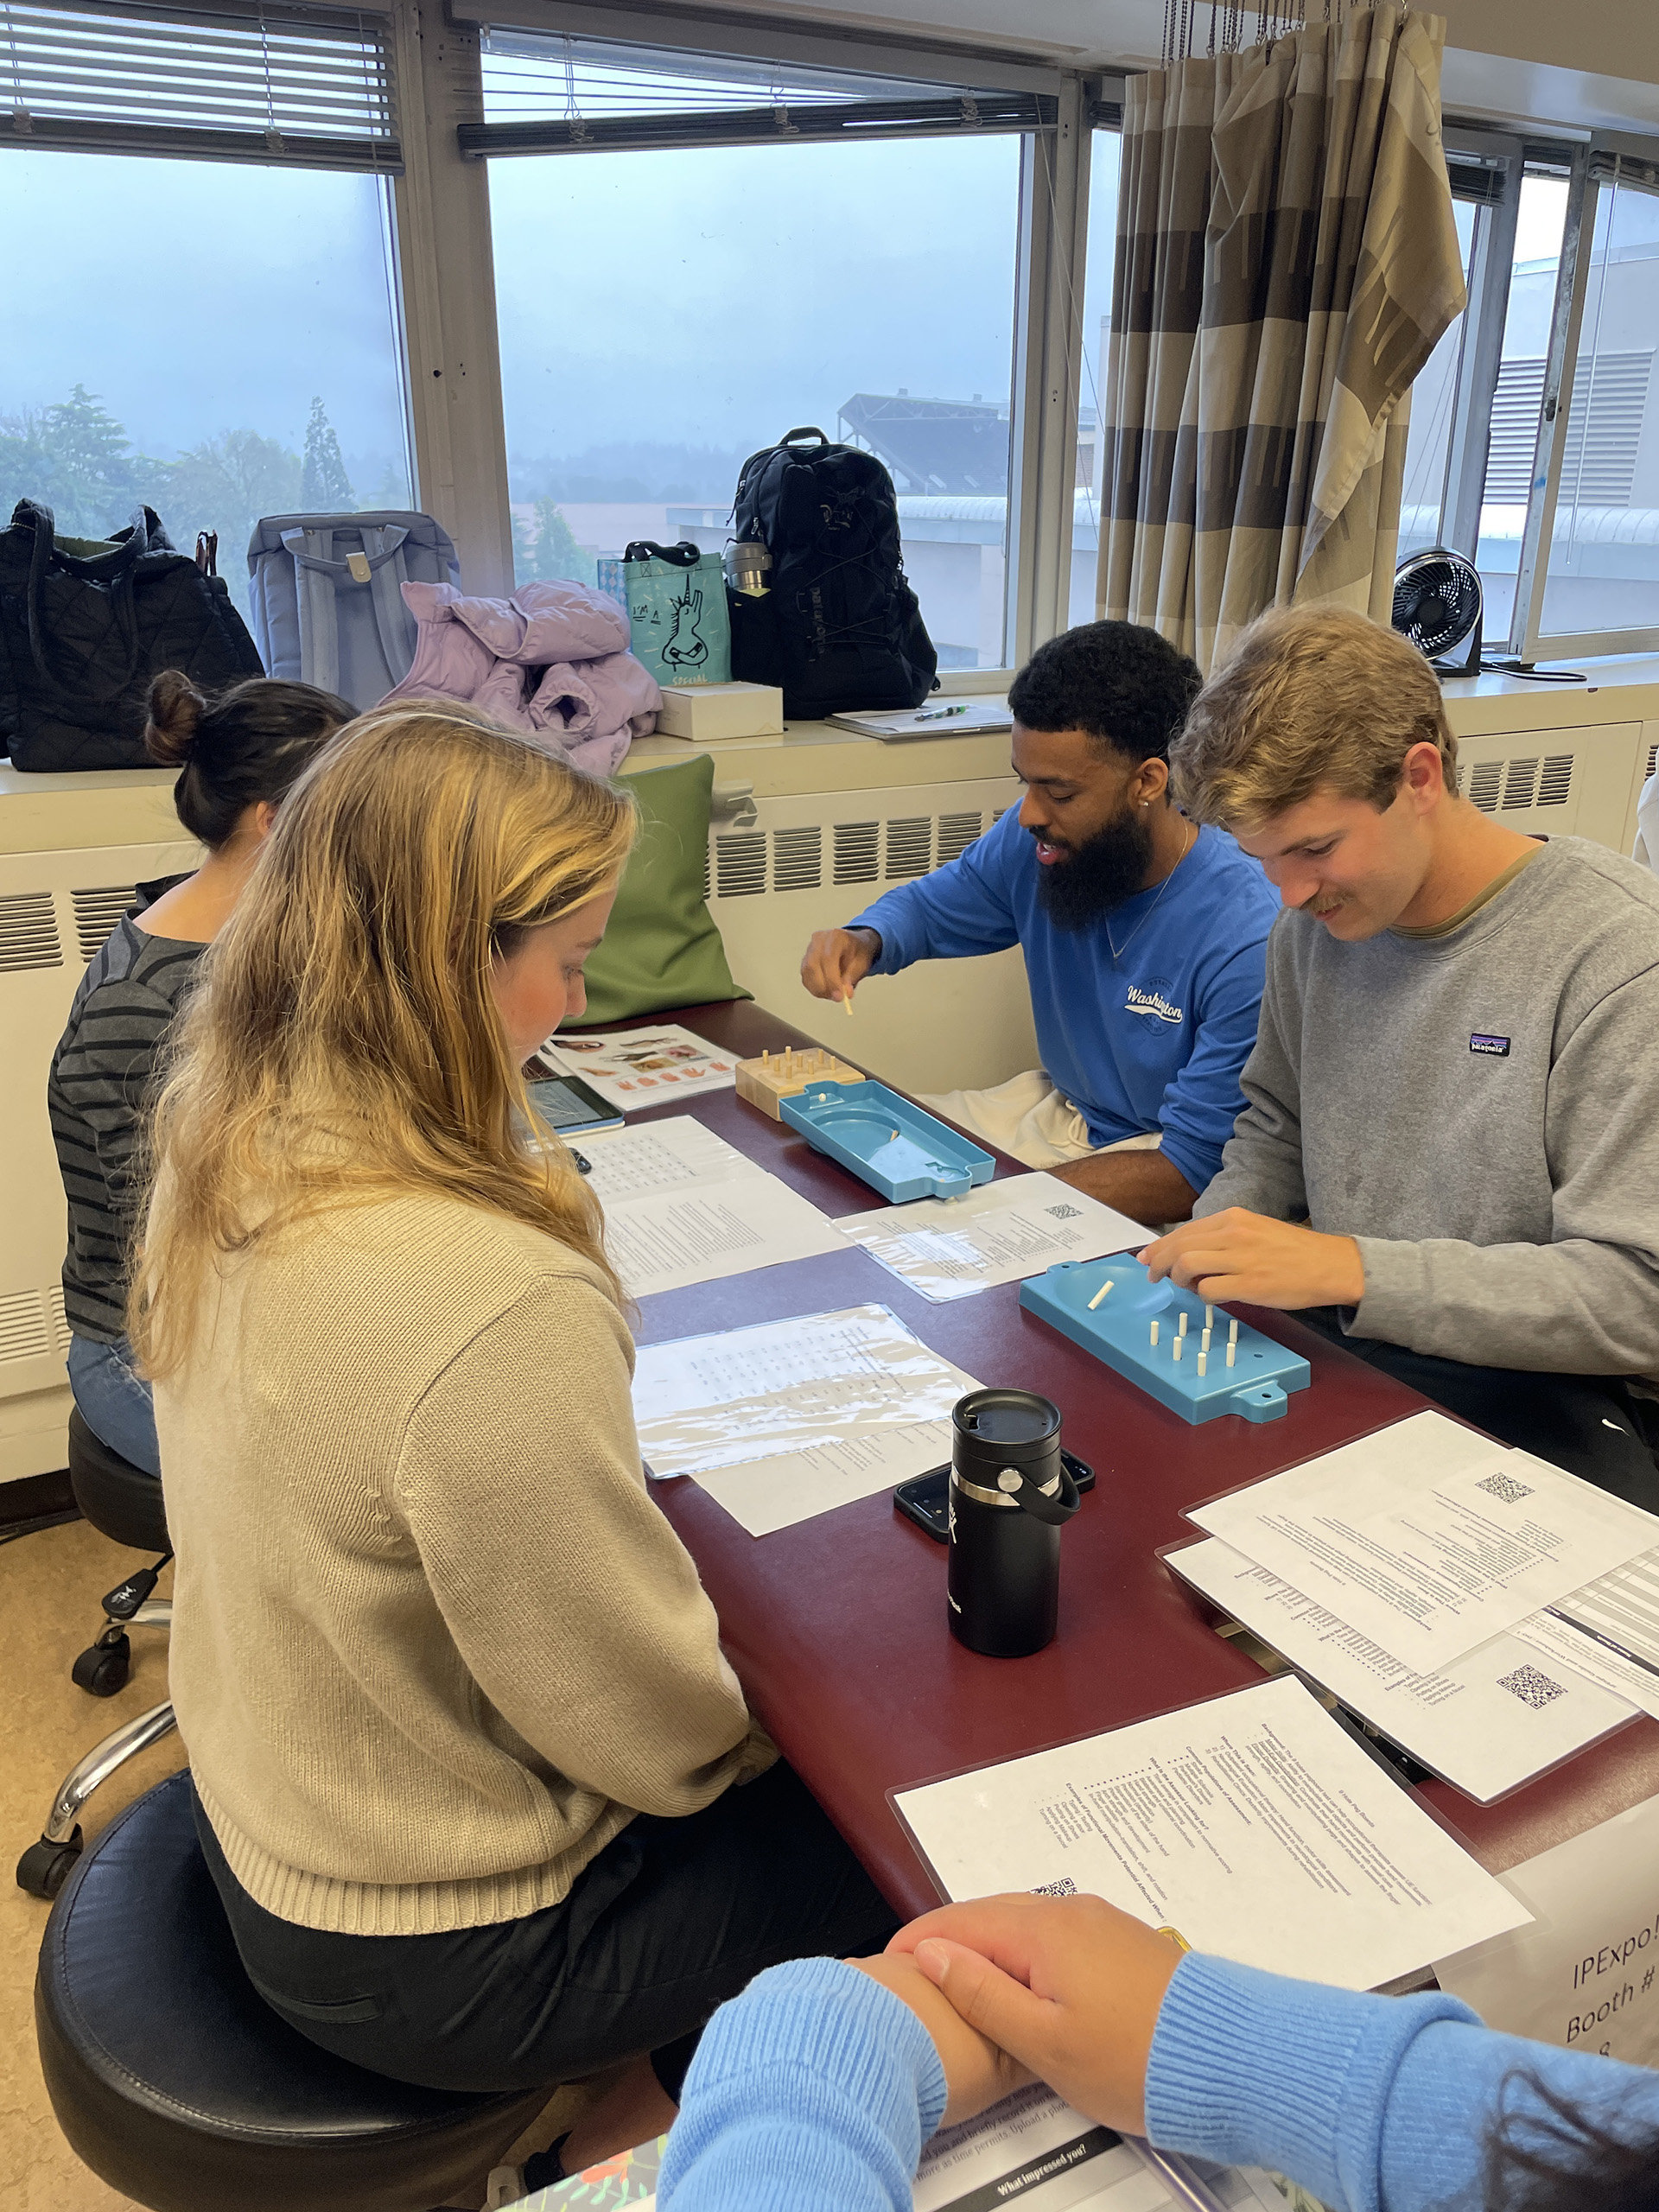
x: 1119, y: 1331
x: 894, y: 1147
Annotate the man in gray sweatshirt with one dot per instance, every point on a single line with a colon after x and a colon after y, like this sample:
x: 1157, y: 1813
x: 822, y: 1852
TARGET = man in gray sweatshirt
x: 1449, y: 1155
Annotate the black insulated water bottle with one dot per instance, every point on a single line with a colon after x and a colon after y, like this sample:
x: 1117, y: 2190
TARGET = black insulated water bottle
x: 1010, y: 1496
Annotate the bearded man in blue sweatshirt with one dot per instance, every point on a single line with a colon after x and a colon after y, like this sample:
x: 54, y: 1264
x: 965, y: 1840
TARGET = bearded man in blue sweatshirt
x: 1143, y: 934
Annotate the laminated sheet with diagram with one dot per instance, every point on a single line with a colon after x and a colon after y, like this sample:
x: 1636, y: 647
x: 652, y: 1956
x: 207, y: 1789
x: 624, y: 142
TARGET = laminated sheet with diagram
x: 789, y: 1419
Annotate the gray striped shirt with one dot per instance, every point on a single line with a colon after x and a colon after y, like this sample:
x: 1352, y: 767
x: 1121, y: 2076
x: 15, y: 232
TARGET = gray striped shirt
x: 97, y: 1093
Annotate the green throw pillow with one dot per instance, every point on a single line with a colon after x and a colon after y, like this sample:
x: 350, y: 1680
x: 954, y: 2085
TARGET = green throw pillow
x: 662, y: 948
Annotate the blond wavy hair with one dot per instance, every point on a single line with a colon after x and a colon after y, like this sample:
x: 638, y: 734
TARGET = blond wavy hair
x: 1310, y: 698
x: 344, y: 1045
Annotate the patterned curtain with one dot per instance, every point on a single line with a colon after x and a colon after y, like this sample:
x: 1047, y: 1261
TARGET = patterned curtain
x: 1285, y: 261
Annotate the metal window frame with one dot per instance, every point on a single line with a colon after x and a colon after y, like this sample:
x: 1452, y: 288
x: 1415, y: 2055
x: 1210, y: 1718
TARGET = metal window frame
x: 1048, y: 372
x: 1480, y: 354
x: 1529, y: 641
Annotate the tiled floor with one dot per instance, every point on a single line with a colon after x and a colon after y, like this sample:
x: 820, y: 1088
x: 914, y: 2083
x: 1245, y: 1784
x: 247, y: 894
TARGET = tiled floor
x: 50, y: 1584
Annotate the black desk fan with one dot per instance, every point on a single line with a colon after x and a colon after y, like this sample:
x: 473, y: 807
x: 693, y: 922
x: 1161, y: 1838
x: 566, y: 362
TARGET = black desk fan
x: 1437, y: 604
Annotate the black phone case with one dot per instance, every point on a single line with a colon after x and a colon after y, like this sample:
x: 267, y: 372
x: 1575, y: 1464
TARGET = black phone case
x: 924, y: 1499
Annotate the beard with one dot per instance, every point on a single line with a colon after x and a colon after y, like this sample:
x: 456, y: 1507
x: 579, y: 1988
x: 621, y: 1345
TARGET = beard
x: 1101, y: 873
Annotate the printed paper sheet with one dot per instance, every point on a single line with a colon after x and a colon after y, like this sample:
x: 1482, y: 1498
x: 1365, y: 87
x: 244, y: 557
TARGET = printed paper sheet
x: 1252, y: 1823
x: 1002, y: 1232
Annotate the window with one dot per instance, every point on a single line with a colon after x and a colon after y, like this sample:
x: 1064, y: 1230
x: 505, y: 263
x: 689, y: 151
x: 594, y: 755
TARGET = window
x: 1559, y: 505
x: 1602, y: 571
x: 667, y: 311
x: 1105, y: 152
x: 176, y: 337
x: 273, y: 386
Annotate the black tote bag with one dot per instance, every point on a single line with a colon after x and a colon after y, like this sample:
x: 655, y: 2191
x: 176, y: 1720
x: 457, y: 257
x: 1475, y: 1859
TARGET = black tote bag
x: 83, y: 631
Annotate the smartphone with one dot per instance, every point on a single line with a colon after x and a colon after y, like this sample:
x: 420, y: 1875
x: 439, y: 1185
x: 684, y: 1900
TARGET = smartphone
x: 925, y: 1499
x: 568, y: 1104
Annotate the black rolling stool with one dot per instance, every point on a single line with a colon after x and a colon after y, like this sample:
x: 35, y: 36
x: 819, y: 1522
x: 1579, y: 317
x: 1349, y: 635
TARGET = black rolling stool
x: 177, y: 2084
x: 124, y: 1503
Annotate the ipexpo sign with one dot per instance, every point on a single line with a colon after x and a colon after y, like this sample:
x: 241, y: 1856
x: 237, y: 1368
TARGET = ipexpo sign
x: 1612, y: 1958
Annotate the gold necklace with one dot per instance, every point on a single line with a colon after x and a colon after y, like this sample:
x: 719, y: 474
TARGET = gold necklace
x: 1117, y: 950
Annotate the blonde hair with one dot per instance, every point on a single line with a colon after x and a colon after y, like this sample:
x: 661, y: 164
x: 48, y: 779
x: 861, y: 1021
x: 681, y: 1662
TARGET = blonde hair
x: 344, y: 1043
x: 1311, y: 698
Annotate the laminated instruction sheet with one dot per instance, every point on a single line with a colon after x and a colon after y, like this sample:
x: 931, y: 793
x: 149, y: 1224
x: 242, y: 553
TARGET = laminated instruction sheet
x: 1487, y: 1722
x: 632, y: 1068
x: 683, y: 1206
x: 1001, y: 1232
x: 789, y: 1419
x: 1253, y: 1823
x: 1429, y: 1538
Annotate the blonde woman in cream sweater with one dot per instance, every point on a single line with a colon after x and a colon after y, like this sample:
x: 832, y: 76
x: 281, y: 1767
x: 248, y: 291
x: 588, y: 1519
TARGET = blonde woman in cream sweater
x: 478, y: 1789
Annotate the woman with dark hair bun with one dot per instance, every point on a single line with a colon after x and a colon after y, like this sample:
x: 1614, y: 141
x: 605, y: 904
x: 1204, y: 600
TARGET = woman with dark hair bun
x: 237, y: 756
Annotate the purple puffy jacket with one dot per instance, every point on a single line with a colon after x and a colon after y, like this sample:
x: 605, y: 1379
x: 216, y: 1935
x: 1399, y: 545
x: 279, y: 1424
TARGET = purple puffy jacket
x: 552, y: 660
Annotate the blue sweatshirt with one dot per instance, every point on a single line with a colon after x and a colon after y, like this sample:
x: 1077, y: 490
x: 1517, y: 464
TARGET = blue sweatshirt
x: 816, y: 2089
x: 1155, y: 1038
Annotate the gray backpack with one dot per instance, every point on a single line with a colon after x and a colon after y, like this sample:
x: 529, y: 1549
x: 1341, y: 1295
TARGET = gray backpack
x: 328, y: 608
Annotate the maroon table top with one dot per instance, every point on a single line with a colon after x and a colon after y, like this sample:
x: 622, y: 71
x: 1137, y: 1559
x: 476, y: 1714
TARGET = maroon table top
x: 837, y: 1627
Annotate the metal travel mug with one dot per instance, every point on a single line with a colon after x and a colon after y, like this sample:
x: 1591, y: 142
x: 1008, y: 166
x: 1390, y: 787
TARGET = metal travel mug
x: 1010, y: 1496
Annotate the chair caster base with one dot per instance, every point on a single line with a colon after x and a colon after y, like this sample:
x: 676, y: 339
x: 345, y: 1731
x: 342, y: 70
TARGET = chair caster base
x: 104, y: 1668
x: 44, y: 1867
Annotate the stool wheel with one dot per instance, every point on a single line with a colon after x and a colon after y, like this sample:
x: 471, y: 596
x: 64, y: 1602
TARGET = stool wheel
x: 44, y: 1867
x: 103, y: 1667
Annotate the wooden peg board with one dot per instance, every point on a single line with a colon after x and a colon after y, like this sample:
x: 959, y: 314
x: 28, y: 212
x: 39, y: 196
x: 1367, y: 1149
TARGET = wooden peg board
x: 778, y: 1076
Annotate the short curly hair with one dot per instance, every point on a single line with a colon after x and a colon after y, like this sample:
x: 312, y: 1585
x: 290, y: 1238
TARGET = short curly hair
x: 1123, y: 685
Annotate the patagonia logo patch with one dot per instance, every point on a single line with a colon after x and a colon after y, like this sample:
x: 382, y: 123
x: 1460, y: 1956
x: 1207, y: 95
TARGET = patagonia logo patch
x: 1495, y: 1048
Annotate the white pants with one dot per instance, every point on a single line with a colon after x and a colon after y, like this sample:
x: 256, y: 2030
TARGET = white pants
x: 1028, y: 1118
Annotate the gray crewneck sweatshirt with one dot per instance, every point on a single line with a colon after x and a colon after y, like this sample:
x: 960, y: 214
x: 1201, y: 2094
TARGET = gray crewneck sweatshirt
x: 1480, y: 1111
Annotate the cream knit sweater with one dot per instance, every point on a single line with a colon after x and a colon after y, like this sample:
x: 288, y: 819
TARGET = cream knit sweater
x: 434, y: 1645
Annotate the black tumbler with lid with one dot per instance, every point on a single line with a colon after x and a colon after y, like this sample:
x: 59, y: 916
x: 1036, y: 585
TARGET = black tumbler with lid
x: 1010, y: 1495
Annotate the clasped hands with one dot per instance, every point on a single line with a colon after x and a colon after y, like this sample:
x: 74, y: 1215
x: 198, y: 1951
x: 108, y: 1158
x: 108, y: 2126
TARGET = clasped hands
x: 1247, y: 1258
x: 1063, y: 1989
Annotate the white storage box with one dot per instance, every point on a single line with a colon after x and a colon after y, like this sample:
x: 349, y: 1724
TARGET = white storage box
x: 706, y: 711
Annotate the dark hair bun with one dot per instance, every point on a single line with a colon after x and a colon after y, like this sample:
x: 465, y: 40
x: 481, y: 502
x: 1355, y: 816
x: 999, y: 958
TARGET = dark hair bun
x: 176, y: 709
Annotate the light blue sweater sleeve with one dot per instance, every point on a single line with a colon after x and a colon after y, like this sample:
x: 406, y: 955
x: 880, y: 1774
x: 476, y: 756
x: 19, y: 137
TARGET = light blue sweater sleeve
x: 815, y: 2089
x: 1376, y: 2104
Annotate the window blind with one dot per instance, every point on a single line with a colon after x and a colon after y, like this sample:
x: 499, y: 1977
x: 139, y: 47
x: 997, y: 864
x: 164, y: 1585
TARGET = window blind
x: 566, y: 92
x: 307, y: 88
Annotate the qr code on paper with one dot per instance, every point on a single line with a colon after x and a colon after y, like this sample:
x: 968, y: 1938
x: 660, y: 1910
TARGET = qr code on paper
x: 1531, y: 1687
x: 1507, y: 1488
x: 1066, y: 1887
x: 1066, y: 1213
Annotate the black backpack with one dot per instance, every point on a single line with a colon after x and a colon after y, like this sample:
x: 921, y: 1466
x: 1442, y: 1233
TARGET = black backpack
x: 84, y: 625
x: 840, y: 628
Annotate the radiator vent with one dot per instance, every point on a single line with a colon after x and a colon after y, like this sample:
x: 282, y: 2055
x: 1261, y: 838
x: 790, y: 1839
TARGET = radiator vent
x: 910, y: 847
x: 23, y: 1331
x: 1517, y: 786
x: 856, y: 860
x: 1519, y: 781
x: 1653, y: 760
x: 28, y: 932
x: 797, y: 858
x: 1485, y: 782
x: 740, y: 864
x: 1556, y: 780
x: 58, y: 1318
x: 956, y: 833
x: 747, y: 862
x: 98, y: 912
x: 997, y: 813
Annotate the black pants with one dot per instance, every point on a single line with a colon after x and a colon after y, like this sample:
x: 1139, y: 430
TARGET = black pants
x: 1592, y: 1425
x: 672, y: 1918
